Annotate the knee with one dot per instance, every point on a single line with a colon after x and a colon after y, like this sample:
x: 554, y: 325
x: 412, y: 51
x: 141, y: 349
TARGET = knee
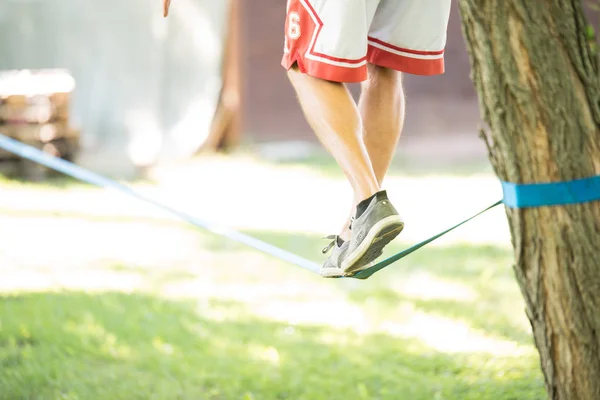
x: 378, y: 75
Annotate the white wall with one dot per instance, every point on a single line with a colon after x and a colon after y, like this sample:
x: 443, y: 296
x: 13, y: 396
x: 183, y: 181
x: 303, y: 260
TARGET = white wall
x: 147, y: 87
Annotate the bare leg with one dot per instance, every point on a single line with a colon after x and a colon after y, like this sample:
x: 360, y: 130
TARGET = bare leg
x: 333, y: 115
x: 382, y: 108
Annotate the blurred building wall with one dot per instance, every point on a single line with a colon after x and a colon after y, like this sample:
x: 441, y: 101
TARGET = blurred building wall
x: 147, y: 87
x: 437, y: 107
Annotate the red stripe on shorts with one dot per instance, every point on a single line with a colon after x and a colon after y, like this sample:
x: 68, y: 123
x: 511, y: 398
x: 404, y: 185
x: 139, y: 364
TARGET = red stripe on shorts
x: 409, y: 51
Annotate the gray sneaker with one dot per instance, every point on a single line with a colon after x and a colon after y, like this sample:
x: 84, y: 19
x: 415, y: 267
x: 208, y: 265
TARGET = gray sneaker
x: 376, y: 224
x: 331, y: 268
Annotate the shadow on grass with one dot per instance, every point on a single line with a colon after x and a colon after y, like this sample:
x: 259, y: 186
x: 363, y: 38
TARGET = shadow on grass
x: 497, y: 308
x: 118, y: 346
x: 483, y: 269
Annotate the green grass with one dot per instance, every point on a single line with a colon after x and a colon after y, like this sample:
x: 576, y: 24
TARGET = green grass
x: 117, y: 346
x: 228, y: 322
x: 111, y: 345
x: 327, y: 166
x: 483, y: 269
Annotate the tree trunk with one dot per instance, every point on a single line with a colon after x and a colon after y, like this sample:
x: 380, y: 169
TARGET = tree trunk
x: 225, y: 132
x: 536, y: 73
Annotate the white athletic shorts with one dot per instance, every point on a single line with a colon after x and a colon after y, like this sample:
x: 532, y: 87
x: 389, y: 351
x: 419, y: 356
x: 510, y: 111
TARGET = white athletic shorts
x: 334, y: 39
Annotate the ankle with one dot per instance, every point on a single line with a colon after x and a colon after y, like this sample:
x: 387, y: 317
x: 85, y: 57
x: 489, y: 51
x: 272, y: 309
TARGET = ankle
x: 363, y: 204
x: 364, y: 195
x: 345, y: 235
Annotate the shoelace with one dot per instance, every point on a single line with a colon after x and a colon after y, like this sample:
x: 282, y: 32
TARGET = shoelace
x: 333, y: 239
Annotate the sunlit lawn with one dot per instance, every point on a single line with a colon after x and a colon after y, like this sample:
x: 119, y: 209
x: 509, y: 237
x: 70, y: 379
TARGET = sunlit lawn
x: 125, y: 305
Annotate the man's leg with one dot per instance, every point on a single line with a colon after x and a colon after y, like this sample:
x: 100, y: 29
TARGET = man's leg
x: 320, y: 58
x: 382, y: 108
x: 334, y: 117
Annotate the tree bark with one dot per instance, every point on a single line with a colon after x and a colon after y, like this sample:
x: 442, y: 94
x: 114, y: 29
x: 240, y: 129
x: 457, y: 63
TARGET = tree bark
x: 536, y: 73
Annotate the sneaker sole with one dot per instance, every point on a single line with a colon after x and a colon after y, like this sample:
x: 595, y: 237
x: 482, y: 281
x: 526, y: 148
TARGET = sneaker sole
x: 380, y: 235
x: 331, y: 272
x: 337, y: 272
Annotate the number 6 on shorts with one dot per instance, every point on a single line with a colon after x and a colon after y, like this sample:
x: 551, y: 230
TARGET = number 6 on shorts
x: 334, y: 39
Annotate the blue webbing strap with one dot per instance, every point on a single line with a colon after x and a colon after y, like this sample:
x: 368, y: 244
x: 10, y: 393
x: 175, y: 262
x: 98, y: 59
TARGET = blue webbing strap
x: 31, y: 153
x: 551, y: 194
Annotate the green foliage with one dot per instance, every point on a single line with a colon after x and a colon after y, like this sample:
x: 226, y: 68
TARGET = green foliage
x: 590, y: 30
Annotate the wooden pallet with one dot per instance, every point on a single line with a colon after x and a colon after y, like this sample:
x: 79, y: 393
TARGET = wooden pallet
x: 34, y: 109
x: 38, y: 109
